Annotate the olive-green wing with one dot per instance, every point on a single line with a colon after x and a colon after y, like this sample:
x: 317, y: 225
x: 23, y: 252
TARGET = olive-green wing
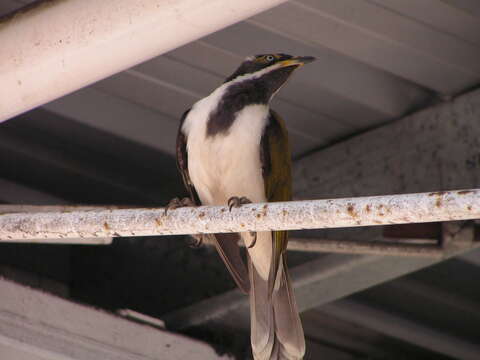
x: 276, y: 162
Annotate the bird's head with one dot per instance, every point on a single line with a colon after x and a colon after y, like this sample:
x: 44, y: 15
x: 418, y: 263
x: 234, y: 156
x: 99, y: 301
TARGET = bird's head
x: 269, y: 71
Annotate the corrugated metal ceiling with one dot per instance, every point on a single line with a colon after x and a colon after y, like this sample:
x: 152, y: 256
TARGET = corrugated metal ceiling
x: 377, y: 61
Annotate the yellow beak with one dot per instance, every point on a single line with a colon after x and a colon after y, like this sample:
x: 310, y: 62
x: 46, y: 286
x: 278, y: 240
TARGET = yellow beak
x: 297, y: 61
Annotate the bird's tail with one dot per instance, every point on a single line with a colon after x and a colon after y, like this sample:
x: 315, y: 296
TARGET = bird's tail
x: 276, y: 330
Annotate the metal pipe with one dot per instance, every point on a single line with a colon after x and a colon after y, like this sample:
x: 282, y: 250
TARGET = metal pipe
x: 19, y: 209
x: 58, y: 46
x: 392, y: 248
x: 293, y: 215
x: 389, y: 248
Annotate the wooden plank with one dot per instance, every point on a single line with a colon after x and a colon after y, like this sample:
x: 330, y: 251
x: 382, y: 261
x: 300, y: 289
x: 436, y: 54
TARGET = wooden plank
x: 380, y: 38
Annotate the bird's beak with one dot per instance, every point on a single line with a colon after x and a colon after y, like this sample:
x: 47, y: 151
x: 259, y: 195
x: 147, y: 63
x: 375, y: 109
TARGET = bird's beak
x: 297, y: 61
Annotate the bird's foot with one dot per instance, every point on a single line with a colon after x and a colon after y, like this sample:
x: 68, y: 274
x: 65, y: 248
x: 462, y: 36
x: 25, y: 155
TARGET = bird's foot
x: 236, y: 201
x: 254, y: 241
x: 195, y: 241
x: 176, y: 203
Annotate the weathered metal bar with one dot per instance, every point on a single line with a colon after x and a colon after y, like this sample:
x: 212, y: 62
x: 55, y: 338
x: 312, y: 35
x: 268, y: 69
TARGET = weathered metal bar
x: 390, y: 248
x: 293, y: 215
x: 365, y: 247
x: 20, y: 209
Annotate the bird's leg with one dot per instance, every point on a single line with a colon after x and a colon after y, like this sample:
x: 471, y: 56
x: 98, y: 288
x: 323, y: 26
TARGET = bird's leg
x: 236, y: 201
x: 176, y: 203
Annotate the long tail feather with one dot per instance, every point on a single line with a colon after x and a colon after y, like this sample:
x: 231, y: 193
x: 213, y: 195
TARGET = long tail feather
x: 228, y: 250
x: 288, y: 327
x: 276, y: 330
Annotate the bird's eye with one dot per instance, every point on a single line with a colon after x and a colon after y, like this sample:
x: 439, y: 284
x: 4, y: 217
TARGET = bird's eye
x: 269, y: 58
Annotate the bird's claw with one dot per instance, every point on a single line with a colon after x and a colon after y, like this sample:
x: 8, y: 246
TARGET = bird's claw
x: 254, y: 241
x: 236, y: 201
x: 176, y: 203
x: 195, y: 241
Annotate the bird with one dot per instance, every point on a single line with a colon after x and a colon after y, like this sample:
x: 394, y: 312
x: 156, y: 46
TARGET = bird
x: 232, y: 148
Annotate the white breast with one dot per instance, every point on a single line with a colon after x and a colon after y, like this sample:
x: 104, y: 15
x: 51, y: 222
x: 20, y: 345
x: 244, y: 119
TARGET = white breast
x: 228, y: 164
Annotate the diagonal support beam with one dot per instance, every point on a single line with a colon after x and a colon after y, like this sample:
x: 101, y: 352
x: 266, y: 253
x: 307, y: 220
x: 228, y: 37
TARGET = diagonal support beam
x: 316, y: 283
x: 403, y: 329
x: 56, y: 47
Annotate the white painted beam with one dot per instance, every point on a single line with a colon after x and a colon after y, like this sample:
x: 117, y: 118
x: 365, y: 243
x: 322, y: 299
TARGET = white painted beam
x: 59, y: 46
x: 33, y: 322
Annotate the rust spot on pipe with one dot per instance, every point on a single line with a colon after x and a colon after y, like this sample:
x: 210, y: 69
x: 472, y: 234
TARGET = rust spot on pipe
x: 469, y: 207
x: 158, y: 222
x: 438, y: 203
x: 259, y: 216
x: 105, y: 226
x: 437, y: 193
x: 284, y: 212
x: 368, y: 208
x: 201, y: 215
x: 464, y: 192
x: 351, y: 211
